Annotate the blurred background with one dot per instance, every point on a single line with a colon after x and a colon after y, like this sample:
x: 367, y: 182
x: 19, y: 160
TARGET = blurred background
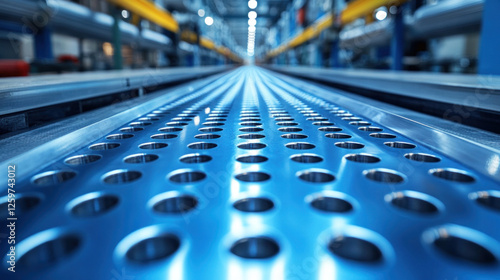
x: 54, y: 36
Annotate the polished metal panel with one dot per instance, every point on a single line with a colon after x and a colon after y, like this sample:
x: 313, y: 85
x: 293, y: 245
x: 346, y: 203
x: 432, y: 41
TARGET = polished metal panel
x: 256, y: 176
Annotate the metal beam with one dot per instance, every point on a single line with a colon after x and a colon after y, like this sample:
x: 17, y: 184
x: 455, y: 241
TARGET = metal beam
x: 148, y: 10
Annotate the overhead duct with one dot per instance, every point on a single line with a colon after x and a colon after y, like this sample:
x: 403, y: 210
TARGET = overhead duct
x: 375, y: 34
x: 437, y: 20
x: 447, y: 18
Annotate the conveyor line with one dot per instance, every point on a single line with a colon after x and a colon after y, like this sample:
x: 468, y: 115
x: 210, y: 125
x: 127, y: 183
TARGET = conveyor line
x: 255, y: 175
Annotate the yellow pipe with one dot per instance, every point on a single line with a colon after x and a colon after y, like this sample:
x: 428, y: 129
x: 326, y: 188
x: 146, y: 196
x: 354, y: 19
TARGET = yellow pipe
x: 149, y: 11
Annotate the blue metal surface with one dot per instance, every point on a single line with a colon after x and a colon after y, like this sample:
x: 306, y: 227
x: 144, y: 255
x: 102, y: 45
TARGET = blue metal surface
x: 256, y: 176
x: 489, y: 61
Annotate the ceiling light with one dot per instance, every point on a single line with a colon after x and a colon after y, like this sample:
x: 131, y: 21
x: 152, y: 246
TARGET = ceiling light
x: 252, y: 22
x: 251, y: 28
x: 252, y: 14
x: 125, y: 14
x: 209, y: 21
x: 201, y: 12
x: 252, y: 4
x: 381, y: 13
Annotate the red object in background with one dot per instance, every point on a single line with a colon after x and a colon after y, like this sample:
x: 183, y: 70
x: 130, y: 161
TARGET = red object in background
x: 14, y: 68
x: 301, y: 16
x: 68, y: 58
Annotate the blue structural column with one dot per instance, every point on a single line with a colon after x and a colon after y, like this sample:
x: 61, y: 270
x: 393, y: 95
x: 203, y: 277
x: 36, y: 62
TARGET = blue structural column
x: 334, y: 54
x: 43, y: 44
x: 117, y: 41
x: 489, y: 58
x: 398, y: 41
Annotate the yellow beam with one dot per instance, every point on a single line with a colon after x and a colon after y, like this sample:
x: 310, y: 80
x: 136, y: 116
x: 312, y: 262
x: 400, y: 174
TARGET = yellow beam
x: 362, y: 8
x: 191, y: 37
x: 148, y: 10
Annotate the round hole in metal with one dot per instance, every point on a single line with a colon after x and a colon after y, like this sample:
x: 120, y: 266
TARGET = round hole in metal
x: 362, y: 123
x: 370, y: 128
x: 131, y: 129
x: 349, y: 145
x: 461, y: 248
x: 356, y: 249
x: 451, y: 174
x: 140, y: 158
x: 163, y: 136
x: 121, y: 176
x: 330, y: 129
x: 287, y: 123
x: 210, y: 129
x: 207, y: 136
x: 251, y: 136
x: 195, y: 158
x: 422, y: 157
x: 364, y: 158
x: 384, y: 176
x: 413, y: 203
x: 490, y: 199
x: 255, y: 248
x: 23, y: 204
x: 153, y: 249
x: 316, y: 176
x: 176, y: 124
x: 49, y: 253
x: 149, y: 119
x: 82, y: 159
x: 294, y: 136
x: 119, y: 136
x: 400, y: 145
x: 51, y: 178
x: 252, y: 146
x: 95, y: 206
x: 254, y: 204
x: 253, y: 176
x: 176, y: 205
x: 153, y: 146
x: 383, y: 135
x: 331, y: 204
x: 300, y: 146
x: 247, y: 119
x: 202, y: 146
x: 250, y: 123
x: 338, y: 135
x: 290, y: 129
x: 170, y: 129
x: 187, y: 176
x: 306, y: 158
x: 251, y: 129
x: 252, y: 159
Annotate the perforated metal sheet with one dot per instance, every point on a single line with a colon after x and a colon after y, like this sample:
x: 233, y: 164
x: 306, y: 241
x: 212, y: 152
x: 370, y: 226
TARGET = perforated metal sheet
x: 251, y: 177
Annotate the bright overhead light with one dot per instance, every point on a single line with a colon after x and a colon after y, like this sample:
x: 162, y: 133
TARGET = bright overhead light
x: 252, y: 14
x: 201, y: 12
x: 209, y: 21
x: 380, y: 15
x: 125, y: 14
x: 252, y: 22
x: 252, y: 4
x: 251, y: 28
